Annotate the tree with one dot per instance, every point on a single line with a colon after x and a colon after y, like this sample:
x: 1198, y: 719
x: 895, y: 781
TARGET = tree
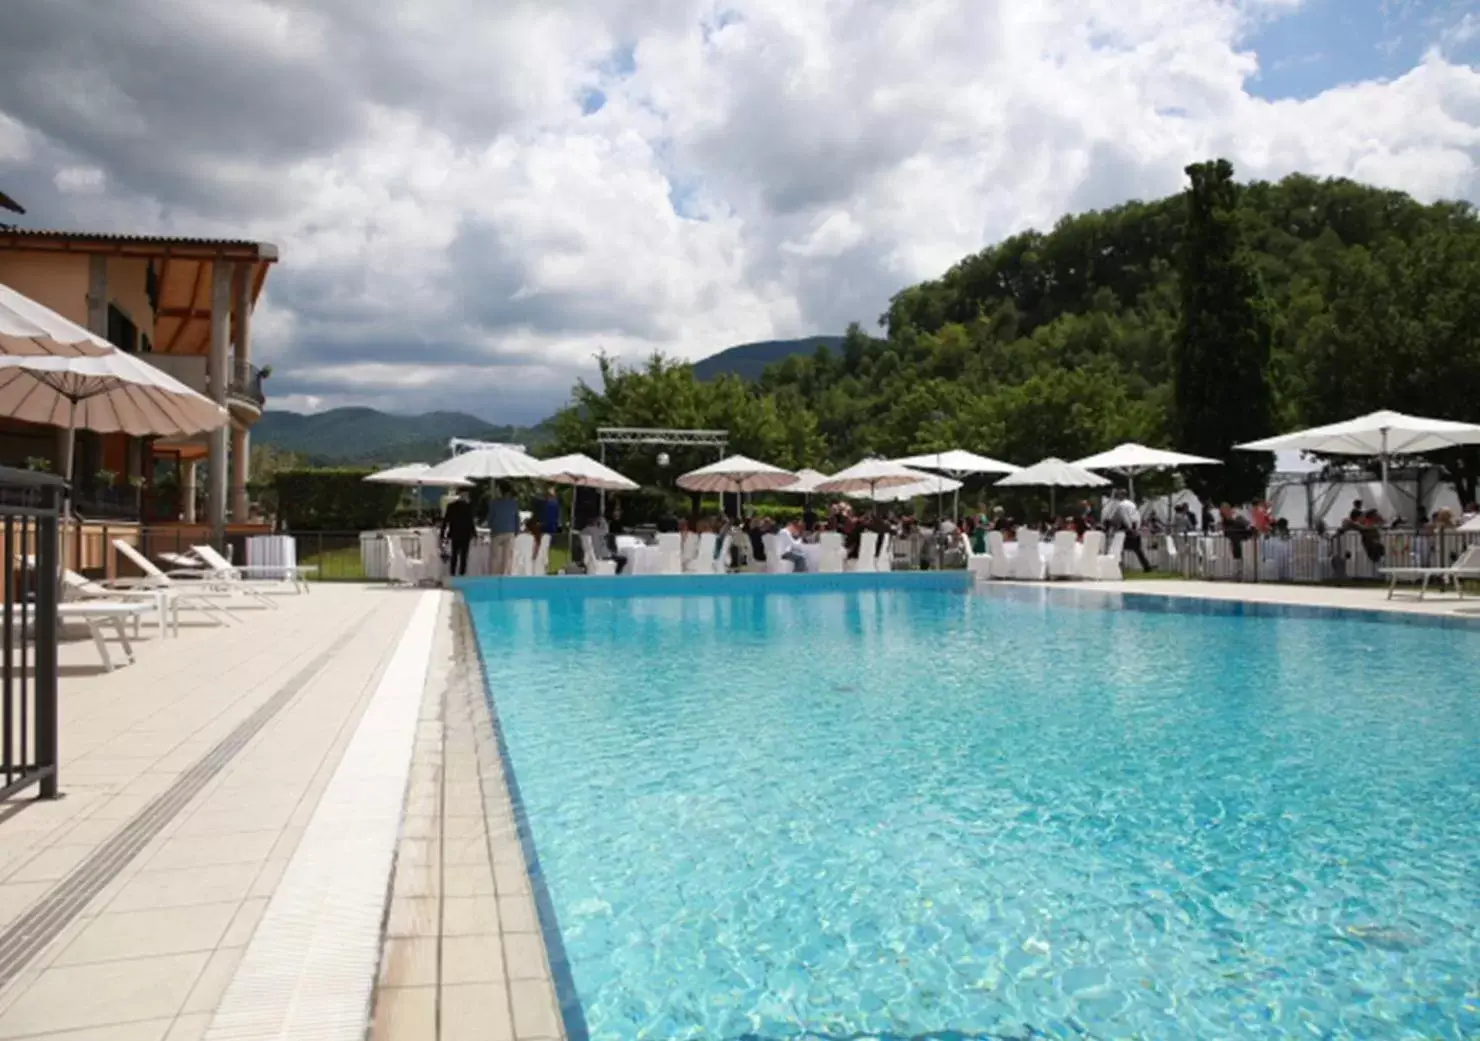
x: 1222, y: 351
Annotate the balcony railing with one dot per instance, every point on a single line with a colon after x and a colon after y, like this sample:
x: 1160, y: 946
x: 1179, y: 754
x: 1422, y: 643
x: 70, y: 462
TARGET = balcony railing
x: 242, y: 384
x: 247, y: 385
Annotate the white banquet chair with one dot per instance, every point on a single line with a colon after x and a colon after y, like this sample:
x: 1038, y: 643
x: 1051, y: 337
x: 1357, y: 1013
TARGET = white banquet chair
x: 1031, y: 566
x: 1087, y: 563
x: 1108, y: 569
x: 884, y: 559
x: 594, y: 566
x: 1003, y: 555
x: 670, y: 554
x: 522, y: 563
x: 831, y: 555
x: 1065, y: 560
x: 701, y: 561
x: 774, y: 564
x: 868, y: 544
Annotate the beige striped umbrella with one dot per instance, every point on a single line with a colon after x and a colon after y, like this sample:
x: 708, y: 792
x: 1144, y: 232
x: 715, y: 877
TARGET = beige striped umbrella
x: 55, y: 372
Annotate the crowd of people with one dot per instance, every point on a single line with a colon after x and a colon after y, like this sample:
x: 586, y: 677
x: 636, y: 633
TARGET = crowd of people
x: 929, y: 542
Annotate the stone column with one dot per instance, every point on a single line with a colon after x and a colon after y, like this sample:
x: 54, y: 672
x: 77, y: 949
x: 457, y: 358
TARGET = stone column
x: 241, y: 455
x: 221, y: 273
x: 187, y: 490
x: 241, y: 346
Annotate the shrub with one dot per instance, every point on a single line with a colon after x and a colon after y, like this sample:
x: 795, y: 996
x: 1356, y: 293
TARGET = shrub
x: 337, y: 499
x: 781, y: 514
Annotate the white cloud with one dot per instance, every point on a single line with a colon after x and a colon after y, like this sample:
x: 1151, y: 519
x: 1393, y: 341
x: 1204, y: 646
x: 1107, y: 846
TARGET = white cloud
x: 457, y: 230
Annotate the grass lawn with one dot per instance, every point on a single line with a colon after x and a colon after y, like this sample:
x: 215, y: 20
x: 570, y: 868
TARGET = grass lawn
x: 338, y: 561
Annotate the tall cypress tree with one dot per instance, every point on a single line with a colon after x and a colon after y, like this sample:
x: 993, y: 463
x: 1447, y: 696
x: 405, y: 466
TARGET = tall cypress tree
x: 1221, y: 380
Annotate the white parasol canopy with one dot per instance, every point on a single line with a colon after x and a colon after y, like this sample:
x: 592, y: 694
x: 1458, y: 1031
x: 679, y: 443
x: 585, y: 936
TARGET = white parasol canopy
x: 807, y: 482
x: 585, y: 472
x: 497, y: 462
x: 932, y: 485
x: 958, y: 463
x: 1052, y: 474
x: 1383, y: 434
x: 1131, y: 459
x: 415, y: 475
x: 870, y: 475
x: 737, y: 473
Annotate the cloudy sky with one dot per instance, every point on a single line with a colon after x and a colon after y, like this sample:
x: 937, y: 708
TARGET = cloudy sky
x: 469, y: 204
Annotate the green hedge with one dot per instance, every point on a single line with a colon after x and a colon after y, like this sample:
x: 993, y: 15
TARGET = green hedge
x: 781, y: 514
x: 336, y: 499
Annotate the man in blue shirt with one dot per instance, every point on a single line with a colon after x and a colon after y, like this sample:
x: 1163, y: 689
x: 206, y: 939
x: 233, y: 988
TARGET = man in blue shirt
x: 503, y: 525
x: 550, y: 512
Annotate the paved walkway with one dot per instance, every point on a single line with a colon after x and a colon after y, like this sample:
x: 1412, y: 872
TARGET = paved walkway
x: 189, y: 779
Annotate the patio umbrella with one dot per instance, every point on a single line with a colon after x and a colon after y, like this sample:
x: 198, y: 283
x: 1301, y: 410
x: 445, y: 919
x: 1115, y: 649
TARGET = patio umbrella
x: 806, y: 483
x: 494, y: 463
x: 581, y: 471
x: 737, y: 474
x: 958, y: 463
x: 1381, y: 434
x: 56, y: 373
x: 416, y: 475
x: 1131, y: 459
x: 1052, y: 474
x: 933, y: 484
x: 870, y: 475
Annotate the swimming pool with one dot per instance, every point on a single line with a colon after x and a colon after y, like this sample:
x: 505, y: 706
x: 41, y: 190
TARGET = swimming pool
x: 906, y: 813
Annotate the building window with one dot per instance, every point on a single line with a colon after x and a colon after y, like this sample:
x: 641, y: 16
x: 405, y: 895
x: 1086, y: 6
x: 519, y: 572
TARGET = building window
x: 122, y: 333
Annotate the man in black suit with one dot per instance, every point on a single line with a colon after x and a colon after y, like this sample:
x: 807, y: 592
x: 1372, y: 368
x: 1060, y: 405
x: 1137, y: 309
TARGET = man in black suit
x: 457, y: 529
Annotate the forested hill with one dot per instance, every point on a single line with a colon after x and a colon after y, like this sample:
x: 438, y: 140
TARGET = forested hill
x: 1061, y: 342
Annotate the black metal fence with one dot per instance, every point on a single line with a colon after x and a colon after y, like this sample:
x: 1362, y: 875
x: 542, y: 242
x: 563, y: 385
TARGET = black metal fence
x: 30, y: 506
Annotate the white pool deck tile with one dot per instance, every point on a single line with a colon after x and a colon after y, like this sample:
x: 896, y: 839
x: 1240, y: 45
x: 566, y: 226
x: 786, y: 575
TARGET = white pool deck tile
x: 455, y: 949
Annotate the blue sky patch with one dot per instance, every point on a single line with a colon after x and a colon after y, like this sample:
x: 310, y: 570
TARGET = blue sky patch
x: 1327, y: 43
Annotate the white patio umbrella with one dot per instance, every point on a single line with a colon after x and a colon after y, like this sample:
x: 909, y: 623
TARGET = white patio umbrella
x: 806, y: 483
x: 581, y: 471
x: 737, y: 474
x: 56, y: 373
x: 415, y: 475
x: 958, y: 463
x: 870, y: 475
x: 1131, y: 459
x: 1052, y: 474
x: 933, y: 484
x: 496, y: 463
x: 1382, y: 434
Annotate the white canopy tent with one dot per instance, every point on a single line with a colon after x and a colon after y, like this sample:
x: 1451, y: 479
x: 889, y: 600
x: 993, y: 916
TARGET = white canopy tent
x: 1131, y: 459
x: 1380, y: 435
x: 1053, y: 474
x: 958, y: 463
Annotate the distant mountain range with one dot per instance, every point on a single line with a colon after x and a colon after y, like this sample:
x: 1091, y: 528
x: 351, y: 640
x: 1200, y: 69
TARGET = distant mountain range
x: 347, y: 436
x: 749, y: 360
x: 343, y: 436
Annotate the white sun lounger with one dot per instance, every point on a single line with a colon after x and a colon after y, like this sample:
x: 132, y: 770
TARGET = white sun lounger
x: 163, y: 602
x: 193, y: 587
x: 94, y: 615
x: 1467, y: 566
x: 236, y: 576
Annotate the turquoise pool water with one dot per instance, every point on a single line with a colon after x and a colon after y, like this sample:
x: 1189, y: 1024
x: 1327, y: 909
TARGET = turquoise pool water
x: 903, y: 814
